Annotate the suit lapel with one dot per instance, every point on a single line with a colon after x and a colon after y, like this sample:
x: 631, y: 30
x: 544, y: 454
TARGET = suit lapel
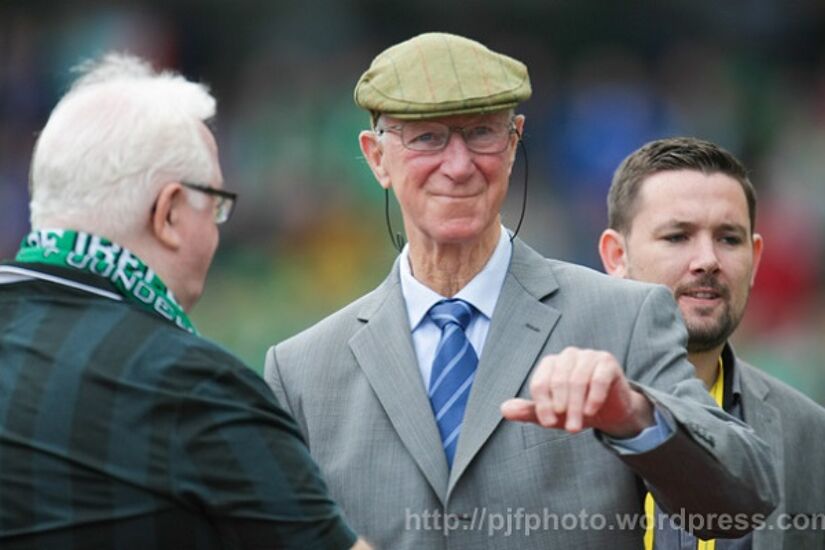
x: 518, y: 332
x: 383, y: 349
x: 765, y: 420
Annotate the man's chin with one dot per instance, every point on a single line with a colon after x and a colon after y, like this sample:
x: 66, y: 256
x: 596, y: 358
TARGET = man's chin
x: 702, y: 345
x: 706, y: 338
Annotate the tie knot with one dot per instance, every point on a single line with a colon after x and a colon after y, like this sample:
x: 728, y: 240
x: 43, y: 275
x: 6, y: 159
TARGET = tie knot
x: 451, y: 311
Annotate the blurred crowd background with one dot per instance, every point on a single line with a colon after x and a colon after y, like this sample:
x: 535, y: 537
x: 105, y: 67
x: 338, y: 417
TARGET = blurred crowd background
x: 308, y: 235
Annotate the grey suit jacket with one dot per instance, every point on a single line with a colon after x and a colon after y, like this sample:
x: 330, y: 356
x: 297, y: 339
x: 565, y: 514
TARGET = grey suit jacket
x: 794, y: 427
x: 353, y: 385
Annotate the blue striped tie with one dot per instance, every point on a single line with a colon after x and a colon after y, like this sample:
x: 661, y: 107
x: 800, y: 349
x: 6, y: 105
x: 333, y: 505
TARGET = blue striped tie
x: 453, y: 370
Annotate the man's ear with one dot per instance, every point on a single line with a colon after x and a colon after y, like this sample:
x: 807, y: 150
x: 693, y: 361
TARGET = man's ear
x: 166, y: 215
x: 613, y: 252
x: 518, y: 121
x: 374, y: 153
x: 758, y: 244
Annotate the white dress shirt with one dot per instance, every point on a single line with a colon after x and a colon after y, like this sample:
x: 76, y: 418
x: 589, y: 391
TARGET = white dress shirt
x: 481, y: 292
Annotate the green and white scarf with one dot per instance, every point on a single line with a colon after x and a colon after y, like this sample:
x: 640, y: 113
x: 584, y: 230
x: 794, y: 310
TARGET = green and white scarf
x: 132, y: 278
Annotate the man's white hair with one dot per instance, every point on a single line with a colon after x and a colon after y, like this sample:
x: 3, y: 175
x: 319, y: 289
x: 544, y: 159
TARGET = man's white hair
x: 120, y: 132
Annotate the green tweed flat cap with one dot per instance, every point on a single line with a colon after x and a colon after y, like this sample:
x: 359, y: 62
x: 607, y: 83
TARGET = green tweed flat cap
x: 439, y: 74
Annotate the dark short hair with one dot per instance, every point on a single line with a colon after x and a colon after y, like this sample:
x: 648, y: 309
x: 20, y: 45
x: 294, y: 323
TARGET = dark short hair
x: 677, y: 153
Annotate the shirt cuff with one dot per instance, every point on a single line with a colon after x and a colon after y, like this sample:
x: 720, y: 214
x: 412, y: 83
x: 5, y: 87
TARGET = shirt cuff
x: 648, y: 439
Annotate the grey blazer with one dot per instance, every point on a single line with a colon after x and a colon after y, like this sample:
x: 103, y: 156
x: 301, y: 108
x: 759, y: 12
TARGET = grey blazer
x: 794, y: 428
x: 353, y: 385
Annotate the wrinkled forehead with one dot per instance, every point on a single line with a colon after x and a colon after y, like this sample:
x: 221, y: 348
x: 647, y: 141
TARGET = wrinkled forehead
x: 208, y: 137
x: 453, y: 120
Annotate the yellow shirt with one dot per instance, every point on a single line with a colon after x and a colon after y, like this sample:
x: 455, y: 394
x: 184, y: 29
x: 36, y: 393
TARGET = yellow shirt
x: 717, y: 391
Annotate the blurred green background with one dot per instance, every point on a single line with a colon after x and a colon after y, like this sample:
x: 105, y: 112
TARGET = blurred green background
x: 308, y: 233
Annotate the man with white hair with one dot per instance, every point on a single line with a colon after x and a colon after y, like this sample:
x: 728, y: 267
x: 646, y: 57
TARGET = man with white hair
x: 119, y: 425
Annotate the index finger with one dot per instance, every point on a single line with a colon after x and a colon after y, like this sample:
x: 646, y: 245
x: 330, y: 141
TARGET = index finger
x: 520, y: 410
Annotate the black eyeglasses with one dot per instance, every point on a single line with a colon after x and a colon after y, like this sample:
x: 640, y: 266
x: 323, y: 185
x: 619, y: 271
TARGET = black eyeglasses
x: 224, y: 200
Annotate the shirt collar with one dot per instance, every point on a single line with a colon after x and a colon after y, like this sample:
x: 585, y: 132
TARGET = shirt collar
x: 481, y: 292
x: 13, y: 272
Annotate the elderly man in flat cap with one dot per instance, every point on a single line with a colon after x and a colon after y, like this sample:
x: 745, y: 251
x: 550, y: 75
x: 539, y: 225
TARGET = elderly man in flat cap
x: 400, y: 395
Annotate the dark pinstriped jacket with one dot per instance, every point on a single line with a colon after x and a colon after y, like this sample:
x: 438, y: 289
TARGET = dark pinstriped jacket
x: 120, y: 430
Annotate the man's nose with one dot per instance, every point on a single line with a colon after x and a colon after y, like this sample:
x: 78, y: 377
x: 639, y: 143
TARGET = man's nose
x: 705, y: 258
x: 458, y: 159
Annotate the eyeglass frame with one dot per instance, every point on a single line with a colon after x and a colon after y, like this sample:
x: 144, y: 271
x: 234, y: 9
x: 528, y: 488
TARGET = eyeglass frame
x: 222, y: 213
x: 398, y: 129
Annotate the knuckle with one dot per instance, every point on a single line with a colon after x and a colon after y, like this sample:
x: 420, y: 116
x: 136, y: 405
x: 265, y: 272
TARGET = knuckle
x: 570, y: 350
x: 558, y: 376
x: 536, y: 384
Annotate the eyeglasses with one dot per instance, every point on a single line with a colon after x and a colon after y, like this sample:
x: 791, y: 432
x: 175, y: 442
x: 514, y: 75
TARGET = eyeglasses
x: 224, y: 200
x: 428, y: 136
